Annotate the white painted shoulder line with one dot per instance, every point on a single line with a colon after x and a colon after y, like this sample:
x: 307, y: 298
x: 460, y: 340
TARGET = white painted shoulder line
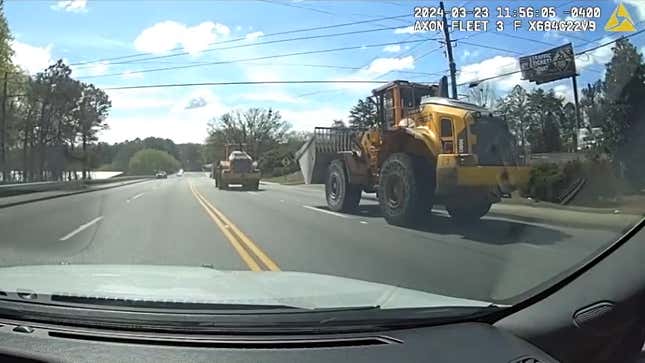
x: 80, y: 229
x: 135, y: 197
x: 253, y: 193
x: 327, y: 212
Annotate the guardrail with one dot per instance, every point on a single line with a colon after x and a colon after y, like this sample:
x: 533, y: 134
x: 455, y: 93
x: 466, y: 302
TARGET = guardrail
x: 21, y: 188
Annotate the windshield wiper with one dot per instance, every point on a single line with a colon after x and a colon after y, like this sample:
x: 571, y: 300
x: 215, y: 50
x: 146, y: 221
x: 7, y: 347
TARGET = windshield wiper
x: 171, y: 305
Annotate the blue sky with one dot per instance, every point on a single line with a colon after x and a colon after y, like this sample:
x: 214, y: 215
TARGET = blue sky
x: 80, y: 31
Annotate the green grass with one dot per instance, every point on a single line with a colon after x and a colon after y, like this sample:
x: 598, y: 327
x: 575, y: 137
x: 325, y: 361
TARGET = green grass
x: 289, y: 179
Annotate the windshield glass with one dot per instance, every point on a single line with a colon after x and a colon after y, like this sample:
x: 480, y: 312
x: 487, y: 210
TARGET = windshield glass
x: 228, y: 153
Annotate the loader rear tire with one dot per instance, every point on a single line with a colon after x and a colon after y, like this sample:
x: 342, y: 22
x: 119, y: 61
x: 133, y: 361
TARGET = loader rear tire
x: 401, y: 193
x: 341, y: 196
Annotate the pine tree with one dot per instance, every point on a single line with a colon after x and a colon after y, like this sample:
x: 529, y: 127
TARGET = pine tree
x: 624, y: 126
x: 363, y: 114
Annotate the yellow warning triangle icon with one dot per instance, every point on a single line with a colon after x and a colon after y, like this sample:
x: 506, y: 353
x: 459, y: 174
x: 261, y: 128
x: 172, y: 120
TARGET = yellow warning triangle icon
x: 620, y: 20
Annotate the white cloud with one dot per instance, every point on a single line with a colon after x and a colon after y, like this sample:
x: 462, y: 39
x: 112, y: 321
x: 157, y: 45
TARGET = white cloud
x: 238, y: 28
x: 132, y: 75
x: 196, y: 103
x: 174, y: 127
x: 99, y: 68
x: 31, y: 58
x: 381, y: 66
x: 599, y: 56
x: 261, y: 74
x: 492, y: 67
x: 306, y: 120
x: 167, y: 35
x: 640, y: 9
x: 377, y: 68
x: 564, y: 91
x: 141, y: 99
x: 174, y: 122
x: 469, y: 54
x: 406, y: 30
x: 392, y: 48
x: 254, y: 35
x: 73, y: 6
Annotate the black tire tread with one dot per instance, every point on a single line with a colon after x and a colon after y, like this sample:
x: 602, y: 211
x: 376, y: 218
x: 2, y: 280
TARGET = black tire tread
x: 412, y: 210
x: 351, y: 195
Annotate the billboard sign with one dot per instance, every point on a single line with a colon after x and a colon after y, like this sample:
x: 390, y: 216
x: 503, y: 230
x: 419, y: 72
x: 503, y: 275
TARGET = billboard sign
x: 551, y: 65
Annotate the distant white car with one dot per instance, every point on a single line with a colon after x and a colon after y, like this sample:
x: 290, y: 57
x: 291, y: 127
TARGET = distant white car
x: 180, y: 172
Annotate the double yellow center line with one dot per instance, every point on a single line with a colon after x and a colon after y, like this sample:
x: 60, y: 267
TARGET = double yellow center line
x: 242, y: 244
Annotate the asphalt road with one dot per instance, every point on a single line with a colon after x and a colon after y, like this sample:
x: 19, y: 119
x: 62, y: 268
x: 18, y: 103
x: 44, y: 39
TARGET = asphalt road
x: 187, y: 221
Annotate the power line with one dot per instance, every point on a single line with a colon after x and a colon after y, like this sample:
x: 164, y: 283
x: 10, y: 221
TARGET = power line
x: 579, y: 53
x: 169, y: 85
x: 254, y: 44
x: 255, y: 58
x: 405, y: 54
x: 275, y: 2
x: 337, y: 67
x: 301, y: 30
x: 299, y: 7
x: 541, y: 42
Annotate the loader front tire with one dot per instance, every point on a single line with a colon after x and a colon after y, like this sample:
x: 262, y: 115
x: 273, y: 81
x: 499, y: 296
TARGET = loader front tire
x: 401, y: 196
x: 468, y: 213
x: 341, y: 196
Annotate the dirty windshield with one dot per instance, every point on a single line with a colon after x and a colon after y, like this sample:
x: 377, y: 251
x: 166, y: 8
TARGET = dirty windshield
x: 315, y: 154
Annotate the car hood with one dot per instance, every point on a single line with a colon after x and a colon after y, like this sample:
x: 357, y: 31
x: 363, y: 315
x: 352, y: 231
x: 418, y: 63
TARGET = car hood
x: 206, y: 285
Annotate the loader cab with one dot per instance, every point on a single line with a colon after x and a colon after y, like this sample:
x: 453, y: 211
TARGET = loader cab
x: 399, y: 100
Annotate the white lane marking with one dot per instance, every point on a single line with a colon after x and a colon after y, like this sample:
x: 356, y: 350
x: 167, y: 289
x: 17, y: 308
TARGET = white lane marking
x: 135, y: 197
x: 326, y: 211
x: 253, y: 193
x: 281, y: 200
x: 80, y: 229
x: 363, y: 222
x: 268, y: 183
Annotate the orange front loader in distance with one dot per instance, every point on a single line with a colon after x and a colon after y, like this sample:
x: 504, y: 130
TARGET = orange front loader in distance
x: 237, y: 167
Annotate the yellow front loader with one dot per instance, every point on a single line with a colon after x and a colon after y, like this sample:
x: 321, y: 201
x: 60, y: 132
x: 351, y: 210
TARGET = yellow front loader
x: 426, y: 150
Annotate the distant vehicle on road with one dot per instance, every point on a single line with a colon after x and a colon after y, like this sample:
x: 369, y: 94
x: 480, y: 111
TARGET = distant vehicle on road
x: 180, y: 172
x: 238, y: 168
x: 161, y: 175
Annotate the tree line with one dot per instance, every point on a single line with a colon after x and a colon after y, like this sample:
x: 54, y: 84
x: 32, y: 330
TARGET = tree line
x: 47, y: 121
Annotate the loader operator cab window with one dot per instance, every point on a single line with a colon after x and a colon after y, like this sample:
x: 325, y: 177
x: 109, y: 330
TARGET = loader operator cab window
x: 407, y: 98
x: 388, y: 110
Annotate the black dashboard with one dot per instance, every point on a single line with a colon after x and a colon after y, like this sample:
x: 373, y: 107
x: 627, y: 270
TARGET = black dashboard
x: 464, y: 342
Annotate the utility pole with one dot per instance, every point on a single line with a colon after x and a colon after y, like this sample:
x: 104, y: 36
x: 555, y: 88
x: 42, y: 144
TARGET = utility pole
x: 575, y: 99
x: 451, y: 61
x: 3, y: 128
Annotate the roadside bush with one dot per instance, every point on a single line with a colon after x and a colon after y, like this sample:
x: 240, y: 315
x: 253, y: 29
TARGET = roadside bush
x: 148, y: 161
x: 548, y: 182
x: 545, y: 182
x: 602, y: 180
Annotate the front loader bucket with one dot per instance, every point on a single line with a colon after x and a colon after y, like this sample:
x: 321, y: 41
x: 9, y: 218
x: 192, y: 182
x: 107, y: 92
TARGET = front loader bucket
x: 323, y: 147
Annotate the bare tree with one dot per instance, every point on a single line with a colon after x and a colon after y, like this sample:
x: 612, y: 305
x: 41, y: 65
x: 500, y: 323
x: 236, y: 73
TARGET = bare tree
x: 483, y: 95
